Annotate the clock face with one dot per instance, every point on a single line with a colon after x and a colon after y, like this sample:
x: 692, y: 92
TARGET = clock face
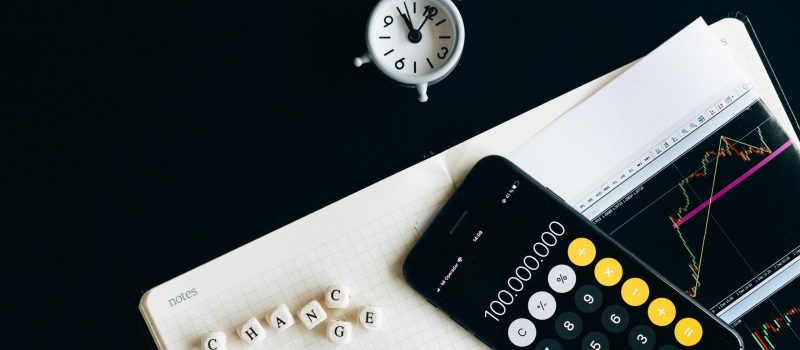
x: 412, y: 40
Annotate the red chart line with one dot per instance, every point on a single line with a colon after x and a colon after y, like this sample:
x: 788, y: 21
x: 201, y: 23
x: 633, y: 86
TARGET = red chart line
x: 733, y: 184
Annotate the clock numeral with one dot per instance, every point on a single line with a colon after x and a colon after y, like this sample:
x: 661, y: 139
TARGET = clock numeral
x: 429, y: 62
x: 442, y: 55
x: 430, y: 12
x: 387, y: 21
x: 399, y: 64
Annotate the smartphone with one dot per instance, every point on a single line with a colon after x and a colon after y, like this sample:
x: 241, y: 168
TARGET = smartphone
x: 516, y: 266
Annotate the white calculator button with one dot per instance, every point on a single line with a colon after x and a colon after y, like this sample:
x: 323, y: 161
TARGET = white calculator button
x: 522, y: 332
x: 561, y: 278
x: 542, y: 305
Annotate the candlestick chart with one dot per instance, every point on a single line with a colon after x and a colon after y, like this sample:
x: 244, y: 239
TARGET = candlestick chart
x: 773, y: 325
x: 716, y: 220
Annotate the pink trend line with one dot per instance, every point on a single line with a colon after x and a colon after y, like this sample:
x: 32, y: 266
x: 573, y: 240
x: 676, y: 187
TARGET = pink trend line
x: 733, y: 184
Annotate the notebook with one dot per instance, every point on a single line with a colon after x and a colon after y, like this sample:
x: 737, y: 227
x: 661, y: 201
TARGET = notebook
x: 361, y: 241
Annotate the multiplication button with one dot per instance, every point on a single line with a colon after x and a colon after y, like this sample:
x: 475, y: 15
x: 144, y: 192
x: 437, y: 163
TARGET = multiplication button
x: 561, y: 278
x: 615, y: 318
x: 569, y: 325
x: 608, y: 272
x: 588, y: 298
x: 522, y: 332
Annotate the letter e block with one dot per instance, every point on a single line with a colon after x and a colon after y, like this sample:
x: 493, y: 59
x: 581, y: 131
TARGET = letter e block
x: 338, y: 297
x: 251, y: 331
x: 371, y: 317
x: 312, y: 314
x: 281, y: 318
x: 340, y: 332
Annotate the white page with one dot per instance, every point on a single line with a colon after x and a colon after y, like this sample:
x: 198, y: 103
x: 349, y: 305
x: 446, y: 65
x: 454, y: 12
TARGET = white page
x: 616, y: 124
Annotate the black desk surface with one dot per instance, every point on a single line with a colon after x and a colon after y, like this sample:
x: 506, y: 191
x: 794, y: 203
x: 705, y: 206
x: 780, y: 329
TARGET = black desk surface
x: 144, y: 139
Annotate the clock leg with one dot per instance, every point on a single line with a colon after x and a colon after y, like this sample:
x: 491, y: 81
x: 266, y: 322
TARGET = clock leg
x: 365, y: 58
x: 422, y: 89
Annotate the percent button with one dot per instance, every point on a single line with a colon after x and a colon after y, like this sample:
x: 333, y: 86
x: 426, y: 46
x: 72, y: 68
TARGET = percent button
x: 561, y: 278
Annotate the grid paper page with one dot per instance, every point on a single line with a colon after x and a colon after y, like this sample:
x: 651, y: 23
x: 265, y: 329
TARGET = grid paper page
x: 368, y: 259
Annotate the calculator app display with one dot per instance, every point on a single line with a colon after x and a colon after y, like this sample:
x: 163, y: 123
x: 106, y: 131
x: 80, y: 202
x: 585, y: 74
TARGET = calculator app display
x: 512, y: 264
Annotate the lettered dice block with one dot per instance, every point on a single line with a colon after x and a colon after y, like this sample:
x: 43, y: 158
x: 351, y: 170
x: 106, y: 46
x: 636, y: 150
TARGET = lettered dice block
x: 281, y: 318
x: 251, y: 331
x: 371, y: 317
x: 312, y: 314
x: 340, y: 332
x: 338, y: 297
x: 214, y: 341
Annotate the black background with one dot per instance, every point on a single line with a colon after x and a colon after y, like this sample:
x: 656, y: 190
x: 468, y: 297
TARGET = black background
x: 142, y: 139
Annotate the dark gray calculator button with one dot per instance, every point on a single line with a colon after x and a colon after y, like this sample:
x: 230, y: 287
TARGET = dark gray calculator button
x: 569, y: 325
x: 668, y: 347
x: 615, y: 318
x: 549, y: 344
x: 595, y: 341
x: 642, y: 337
x: 588, y: 298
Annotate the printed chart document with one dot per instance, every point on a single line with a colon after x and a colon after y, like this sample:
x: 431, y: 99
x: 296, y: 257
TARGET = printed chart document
x: 680, y: 160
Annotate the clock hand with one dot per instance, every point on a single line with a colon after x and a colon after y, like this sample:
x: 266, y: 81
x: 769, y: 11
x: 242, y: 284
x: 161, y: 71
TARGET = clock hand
x: 414, y: 35
x: 429, y: 13
x: 406, y: 20
x: 408, y: 15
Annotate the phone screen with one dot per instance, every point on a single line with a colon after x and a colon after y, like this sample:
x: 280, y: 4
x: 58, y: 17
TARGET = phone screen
x: 511, y: 263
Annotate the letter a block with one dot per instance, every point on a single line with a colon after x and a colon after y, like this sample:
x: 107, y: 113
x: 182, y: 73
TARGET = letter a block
x: 340, y: 332
x: 251, y: 331
x: 371, y: 317
x: 338, y: 297
x: 281, y: 318
x: 312, y: 314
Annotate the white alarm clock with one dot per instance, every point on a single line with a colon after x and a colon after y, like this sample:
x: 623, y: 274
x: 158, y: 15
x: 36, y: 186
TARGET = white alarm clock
x: 416, y: 43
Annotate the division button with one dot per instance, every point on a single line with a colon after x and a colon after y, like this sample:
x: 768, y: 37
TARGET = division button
x: 642, y: 337
x: 615, y: 318
x: 542, y: 305
x: 561, y: 278
x: 635, y: 291
x: 688, y: 331
x: 661, y: 312
x: 595, y: 341
x: 549, y: 344
x: 522, y: 332
x: 608, y: 272
x: 569, y: 325
x: 588, y: 298
x: 581, y: 251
